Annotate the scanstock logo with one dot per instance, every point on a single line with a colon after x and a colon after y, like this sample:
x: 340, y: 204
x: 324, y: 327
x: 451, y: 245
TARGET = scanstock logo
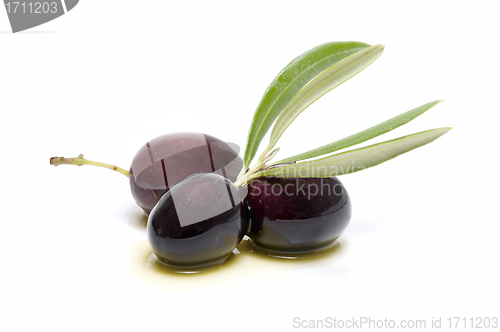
x: 28, y: 14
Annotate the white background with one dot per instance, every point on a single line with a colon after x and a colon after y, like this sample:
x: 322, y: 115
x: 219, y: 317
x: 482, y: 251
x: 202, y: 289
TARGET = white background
x: 108, y: 76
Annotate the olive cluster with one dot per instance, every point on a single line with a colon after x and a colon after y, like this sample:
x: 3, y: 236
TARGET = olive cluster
x: 198, y: 216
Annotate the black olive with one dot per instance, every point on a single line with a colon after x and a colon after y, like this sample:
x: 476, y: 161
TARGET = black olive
x: 293, y: 216
x: 198, y: 222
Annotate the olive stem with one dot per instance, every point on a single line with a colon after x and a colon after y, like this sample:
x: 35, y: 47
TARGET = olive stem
x: 244, y: 178
x: 80, y: 161
x: 263, y: 156
x: 241, y: 181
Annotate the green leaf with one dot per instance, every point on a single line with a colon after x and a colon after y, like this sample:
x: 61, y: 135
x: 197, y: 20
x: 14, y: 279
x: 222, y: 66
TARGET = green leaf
x: 355, y: 160
x: 364, y: 135
x: 283, y: 89
x: 326, y: 81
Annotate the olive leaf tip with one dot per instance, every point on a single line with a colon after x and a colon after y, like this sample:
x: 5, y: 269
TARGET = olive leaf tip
x: 379, y: 46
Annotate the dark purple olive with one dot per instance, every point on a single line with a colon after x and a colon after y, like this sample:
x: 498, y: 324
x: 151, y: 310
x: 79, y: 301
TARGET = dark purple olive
x: 198, y: 222
x: 293, y: 216
x: 166, y: 160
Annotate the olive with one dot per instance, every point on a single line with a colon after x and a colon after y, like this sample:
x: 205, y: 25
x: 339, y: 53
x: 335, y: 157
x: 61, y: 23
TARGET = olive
x: 166, y: 160
x: 297, y: 215
x: 198, y: 222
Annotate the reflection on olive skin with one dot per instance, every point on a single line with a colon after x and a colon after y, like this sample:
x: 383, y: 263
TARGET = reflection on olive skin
x: 156, y: 265
x: 335, y: 248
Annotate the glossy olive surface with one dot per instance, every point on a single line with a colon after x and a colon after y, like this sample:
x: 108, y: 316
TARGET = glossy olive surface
x: 198, y: 222
x: 293, y: 216
x: 166, y: 160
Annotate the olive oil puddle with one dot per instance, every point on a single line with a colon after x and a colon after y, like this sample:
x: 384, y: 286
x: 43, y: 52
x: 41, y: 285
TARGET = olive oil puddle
x: 246, y: 260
